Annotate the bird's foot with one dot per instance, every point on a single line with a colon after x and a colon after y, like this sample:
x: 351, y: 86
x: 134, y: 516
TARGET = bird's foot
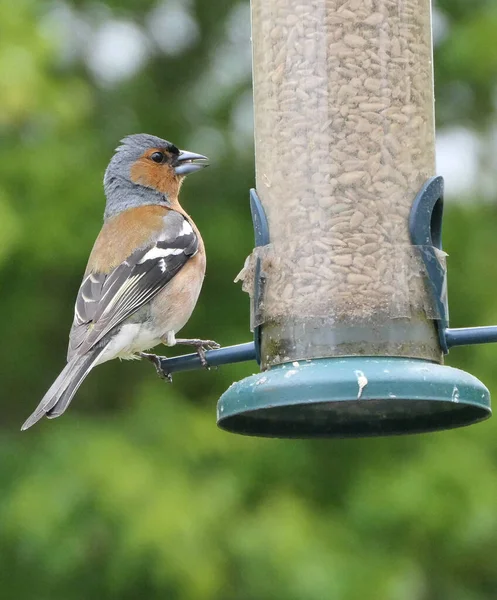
x: 157, y: 362
x: 201, y: 346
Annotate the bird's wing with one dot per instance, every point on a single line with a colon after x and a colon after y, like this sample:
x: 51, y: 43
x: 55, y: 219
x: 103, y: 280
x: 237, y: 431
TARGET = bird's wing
x: 105, y: 301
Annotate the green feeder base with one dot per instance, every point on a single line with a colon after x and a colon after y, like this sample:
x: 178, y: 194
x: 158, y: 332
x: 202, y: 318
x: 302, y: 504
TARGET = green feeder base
x: 353, y: 397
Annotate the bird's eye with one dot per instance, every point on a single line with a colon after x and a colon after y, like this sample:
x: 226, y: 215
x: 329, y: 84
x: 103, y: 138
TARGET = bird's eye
x: 157, y: 157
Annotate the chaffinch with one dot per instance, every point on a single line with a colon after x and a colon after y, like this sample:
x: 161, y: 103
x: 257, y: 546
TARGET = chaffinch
x: 144, y: 273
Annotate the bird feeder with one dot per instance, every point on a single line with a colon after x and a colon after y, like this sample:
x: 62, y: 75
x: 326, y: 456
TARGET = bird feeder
x: 348, y: 277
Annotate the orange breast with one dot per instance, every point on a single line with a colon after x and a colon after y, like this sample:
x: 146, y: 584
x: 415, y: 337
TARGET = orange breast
x: 173, y: 306
x: 123, y: 234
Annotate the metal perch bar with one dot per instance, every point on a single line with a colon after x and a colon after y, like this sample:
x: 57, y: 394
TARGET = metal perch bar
x: 466, y: 336
x: 215, y: 358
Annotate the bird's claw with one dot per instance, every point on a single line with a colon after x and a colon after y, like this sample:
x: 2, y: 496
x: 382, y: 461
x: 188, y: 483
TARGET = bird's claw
x: 157, y: 362
x: 201, y: 346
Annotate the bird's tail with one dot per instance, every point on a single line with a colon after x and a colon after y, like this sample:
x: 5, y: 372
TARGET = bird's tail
x: 62, y: 391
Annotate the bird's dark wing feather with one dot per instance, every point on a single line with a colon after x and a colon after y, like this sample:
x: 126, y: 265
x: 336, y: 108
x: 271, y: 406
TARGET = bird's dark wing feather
x: 105, y: 301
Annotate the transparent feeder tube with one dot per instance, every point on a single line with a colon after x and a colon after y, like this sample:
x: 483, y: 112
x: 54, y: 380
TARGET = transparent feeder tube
x: 344, y: 128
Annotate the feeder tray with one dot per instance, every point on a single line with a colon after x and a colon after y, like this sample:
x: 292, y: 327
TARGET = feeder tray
x: 353, y: 397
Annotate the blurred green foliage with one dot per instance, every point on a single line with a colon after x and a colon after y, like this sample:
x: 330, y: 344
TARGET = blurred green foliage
x: 135, y: 493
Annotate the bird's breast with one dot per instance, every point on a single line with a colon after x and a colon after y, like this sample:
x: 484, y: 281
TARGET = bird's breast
x: 173, y: 306
x: 123, y: 234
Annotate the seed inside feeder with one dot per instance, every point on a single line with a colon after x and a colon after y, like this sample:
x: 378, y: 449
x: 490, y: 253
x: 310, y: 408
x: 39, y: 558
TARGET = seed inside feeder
x: 344, y: 141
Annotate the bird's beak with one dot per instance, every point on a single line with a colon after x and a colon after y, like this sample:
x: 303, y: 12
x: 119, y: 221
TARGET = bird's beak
x: 189, y: 162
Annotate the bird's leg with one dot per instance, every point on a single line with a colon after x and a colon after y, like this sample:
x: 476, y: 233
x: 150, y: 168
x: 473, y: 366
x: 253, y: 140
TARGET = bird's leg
x: 157, y: 362
x: 201, y: 346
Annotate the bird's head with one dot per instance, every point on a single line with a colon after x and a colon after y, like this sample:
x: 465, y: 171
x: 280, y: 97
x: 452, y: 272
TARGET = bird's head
x: 146, y: 169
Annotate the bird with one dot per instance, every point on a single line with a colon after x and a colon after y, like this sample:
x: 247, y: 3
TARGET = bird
x: 144, y: 273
